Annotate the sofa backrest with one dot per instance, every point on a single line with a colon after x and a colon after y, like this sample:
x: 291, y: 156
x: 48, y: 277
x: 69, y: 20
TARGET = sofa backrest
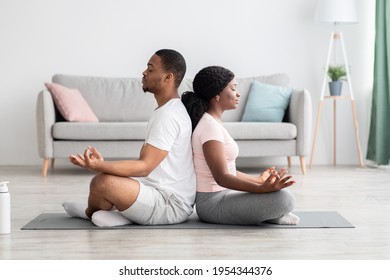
x: 112, y: 99
x: 122, y: 99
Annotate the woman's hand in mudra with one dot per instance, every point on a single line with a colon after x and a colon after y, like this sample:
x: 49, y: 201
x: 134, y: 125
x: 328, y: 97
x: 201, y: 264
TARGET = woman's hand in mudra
x: 264, y: 176
x: 276, y: 181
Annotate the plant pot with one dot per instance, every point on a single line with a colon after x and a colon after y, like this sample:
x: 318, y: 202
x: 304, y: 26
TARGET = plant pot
x: 335, y: 88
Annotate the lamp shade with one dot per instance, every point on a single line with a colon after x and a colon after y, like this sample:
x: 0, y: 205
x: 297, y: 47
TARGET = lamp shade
x: 336, y: 11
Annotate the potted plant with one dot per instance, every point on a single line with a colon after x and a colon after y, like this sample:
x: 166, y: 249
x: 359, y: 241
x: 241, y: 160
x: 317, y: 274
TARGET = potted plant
x: 337, y: 74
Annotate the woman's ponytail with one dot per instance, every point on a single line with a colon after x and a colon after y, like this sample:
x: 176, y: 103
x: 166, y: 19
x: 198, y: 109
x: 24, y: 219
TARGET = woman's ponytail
x: 196, y: 106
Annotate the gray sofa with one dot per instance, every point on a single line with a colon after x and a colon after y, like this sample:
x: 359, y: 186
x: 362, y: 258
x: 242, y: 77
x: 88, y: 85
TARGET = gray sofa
x: 123, y: 110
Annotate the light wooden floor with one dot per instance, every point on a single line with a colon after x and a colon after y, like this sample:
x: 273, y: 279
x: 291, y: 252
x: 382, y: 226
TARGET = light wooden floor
x: 361, y: 195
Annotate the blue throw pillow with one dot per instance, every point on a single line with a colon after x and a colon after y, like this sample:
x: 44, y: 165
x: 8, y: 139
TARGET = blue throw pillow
x: 266, y: 103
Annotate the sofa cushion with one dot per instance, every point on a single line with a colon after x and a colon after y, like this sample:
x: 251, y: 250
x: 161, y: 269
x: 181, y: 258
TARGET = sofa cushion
x: 261, y: 130
x: 266, y: 103
x: 71, y: 104
x: 136, y: 131
x: 244, y: 86
x: 100, y: 131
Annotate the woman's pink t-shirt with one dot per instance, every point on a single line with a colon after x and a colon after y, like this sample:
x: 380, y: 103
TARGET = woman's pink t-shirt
x: 208, y: 129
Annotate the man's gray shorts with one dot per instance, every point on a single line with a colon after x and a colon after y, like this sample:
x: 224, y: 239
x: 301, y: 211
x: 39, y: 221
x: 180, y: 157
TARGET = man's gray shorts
x: 156, y: 206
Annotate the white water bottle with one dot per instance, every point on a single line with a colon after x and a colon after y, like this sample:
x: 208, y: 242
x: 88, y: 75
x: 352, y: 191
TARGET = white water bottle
x: 5, y: 209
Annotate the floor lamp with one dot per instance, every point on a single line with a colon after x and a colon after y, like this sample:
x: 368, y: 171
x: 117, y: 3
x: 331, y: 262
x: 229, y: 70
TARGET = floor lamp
x: 336, y: 12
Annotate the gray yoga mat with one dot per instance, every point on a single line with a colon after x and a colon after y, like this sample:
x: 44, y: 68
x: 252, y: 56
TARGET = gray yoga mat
x: 308, y: 219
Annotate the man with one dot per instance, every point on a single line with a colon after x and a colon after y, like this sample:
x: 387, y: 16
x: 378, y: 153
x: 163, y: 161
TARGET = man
x: 158, y: 187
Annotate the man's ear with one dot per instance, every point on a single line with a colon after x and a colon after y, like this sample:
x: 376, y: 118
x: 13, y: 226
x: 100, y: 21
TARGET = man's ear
x: 169, y: 77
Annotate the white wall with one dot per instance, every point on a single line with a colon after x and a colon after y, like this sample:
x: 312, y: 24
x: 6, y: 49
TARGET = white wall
x: 116, y: 38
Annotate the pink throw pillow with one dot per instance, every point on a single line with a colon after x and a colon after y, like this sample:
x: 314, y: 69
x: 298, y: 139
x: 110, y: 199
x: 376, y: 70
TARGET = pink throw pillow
x: 71, y: 104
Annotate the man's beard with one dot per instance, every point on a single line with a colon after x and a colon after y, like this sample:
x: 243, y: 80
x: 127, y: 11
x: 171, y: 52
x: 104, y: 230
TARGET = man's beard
x: 145, y: 89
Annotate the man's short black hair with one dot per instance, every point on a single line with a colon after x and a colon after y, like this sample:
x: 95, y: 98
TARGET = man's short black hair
x: 174, y: 62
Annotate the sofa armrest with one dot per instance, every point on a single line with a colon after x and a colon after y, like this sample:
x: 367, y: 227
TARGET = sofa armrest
x: 300, y: 114
x: 45, y: 117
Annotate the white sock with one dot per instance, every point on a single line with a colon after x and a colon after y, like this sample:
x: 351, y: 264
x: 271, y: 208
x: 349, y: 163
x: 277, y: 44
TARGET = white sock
x: 112, y: 218
x: 76, y: 210
x: 288, y: 219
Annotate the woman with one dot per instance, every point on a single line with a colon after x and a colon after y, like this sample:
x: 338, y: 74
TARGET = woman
x: 225, y: 195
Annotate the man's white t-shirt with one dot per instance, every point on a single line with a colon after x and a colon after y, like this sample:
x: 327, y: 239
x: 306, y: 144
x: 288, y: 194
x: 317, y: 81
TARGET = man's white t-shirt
x: 170, y: 129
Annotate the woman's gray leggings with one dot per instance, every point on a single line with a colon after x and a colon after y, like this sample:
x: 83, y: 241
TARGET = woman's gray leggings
x: 243, y: 208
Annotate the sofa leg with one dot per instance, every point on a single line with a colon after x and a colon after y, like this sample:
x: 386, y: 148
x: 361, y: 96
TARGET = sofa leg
x: 289, y: 161
x: 45, y: 166
x: 303, y: 164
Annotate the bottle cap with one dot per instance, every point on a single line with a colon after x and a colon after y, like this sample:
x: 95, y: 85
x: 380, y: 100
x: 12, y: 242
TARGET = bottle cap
x: 3, y: 187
